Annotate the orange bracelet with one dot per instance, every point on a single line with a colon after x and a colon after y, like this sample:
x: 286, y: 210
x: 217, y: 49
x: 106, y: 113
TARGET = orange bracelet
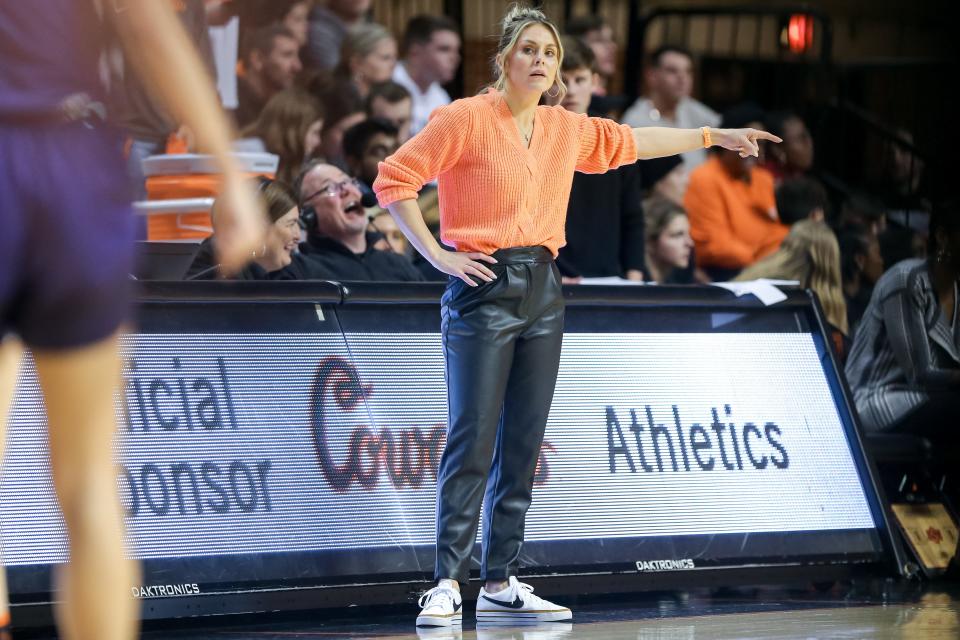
x: 707, y: 140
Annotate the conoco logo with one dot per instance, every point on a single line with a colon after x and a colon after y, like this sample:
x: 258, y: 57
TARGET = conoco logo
x: 406, y: 456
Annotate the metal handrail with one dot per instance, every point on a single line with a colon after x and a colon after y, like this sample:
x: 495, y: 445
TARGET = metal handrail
x: 175, y: 205
x: 178, y: 206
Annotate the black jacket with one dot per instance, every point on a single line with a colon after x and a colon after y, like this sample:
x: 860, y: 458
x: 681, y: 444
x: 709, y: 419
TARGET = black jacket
x: 337, y: 262
x: 604, y: 226
x: 205, y: 267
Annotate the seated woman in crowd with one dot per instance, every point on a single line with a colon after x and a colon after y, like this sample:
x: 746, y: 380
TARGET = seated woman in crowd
x: 277, y: 259
x: 289, y: 126
x: 904, y: 368
x: 669, y: 245
x: 810, y: 255
x: 368, y: 57
x: 664, y: 182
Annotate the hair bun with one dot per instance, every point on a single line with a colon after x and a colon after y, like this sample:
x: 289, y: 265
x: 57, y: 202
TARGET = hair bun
x: 522, y: 12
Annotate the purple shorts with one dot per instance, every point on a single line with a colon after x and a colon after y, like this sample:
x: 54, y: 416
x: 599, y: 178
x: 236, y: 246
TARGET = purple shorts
x: 66, y: 234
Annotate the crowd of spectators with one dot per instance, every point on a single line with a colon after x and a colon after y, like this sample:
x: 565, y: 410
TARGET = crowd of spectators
x: 332, y: 93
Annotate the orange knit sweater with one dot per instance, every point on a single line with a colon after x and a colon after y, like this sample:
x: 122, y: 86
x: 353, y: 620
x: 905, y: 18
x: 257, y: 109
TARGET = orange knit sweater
x: 494, y: 192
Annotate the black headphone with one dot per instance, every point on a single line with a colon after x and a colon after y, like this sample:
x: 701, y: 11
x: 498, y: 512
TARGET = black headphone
x: 308, y: 218
x: 308, y: 215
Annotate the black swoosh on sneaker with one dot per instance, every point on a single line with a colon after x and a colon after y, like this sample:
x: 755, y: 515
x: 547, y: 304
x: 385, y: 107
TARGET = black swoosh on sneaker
x: 516, y: 604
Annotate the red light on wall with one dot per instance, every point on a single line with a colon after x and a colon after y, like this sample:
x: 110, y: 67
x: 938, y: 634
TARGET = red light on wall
x: 800, y: 33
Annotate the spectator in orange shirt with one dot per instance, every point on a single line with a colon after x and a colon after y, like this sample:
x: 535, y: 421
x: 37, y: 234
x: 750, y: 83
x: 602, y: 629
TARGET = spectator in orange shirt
x: 731, y: 205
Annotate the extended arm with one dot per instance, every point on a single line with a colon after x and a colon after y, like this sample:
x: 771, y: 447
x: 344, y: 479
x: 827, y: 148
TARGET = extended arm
x: 656, y: 142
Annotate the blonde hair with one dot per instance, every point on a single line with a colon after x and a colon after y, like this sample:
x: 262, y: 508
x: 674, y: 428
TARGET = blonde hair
x: 360, y: 42
x: 809, y: 254
x: 518, y: 18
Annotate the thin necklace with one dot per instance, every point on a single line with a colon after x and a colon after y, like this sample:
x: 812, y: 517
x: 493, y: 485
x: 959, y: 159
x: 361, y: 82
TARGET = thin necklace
x: 526, y: 136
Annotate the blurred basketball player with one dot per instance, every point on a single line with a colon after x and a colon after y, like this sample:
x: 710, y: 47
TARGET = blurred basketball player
x: 65, y: 252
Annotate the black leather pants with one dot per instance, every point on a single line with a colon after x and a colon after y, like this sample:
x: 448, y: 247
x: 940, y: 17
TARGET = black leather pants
x: 501, y: 343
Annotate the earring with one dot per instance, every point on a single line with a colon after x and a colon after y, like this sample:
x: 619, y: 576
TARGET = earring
x: 554, y: 95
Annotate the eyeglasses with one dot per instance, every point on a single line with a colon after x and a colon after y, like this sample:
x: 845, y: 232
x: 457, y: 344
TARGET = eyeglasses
x: 335, y: 189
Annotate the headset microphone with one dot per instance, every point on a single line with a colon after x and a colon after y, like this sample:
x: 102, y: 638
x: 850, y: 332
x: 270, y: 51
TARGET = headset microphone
x: 367, y: 197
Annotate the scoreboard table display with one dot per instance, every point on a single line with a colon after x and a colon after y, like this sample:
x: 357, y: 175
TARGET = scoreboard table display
x: 284, y: 438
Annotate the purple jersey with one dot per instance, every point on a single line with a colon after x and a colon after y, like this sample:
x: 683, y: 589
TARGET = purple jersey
x: 66, y: 234
x: 65, y: 224
x: 49, y: 49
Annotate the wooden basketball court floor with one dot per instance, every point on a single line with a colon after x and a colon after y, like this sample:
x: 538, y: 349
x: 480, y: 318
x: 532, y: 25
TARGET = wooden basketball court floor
x: 883, y: 609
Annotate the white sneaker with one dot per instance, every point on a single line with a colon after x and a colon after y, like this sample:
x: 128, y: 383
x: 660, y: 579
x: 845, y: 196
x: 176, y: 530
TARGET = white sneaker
x: 440, y: 607
x: 517, y: 604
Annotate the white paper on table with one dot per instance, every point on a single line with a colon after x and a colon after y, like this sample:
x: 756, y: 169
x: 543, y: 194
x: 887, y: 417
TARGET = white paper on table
x: 609, y: 280
x: 764, y: 289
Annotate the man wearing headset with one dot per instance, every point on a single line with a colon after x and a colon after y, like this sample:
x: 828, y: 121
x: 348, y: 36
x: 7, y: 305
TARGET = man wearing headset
x: 333, y: 215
